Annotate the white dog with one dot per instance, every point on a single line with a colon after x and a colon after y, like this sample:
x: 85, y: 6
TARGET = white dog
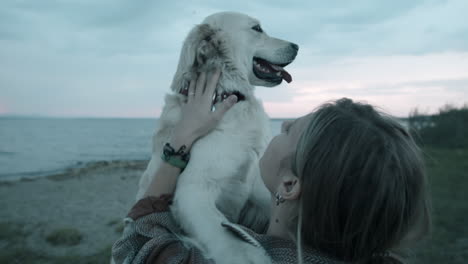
x: 222, y: 175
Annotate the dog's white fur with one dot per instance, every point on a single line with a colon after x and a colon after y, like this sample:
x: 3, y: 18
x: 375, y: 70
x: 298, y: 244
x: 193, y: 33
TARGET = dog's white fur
x: 222, y: 174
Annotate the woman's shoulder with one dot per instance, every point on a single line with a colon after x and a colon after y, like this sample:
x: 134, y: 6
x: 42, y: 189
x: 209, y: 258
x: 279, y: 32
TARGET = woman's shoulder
x: 280, y: 250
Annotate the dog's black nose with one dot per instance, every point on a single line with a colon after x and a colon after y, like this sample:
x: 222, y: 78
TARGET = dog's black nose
x: 295, y: 46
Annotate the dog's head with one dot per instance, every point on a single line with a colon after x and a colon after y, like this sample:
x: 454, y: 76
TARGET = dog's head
x: 236, y: 42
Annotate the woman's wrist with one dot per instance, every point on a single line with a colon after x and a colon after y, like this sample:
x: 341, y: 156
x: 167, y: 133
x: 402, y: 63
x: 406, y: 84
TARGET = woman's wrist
x: 164, y: 181
x: 179, y: 140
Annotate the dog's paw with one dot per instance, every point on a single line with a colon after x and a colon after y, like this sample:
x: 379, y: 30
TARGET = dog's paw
x: 255, y: 255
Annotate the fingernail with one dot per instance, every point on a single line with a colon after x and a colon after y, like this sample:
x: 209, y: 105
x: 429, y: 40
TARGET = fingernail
x: 232, y: 99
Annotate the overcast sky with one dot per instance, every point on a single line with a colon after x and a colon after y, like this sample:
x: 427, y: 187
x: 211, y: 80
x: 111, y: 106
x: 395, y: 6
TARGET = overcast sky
x: 116, y: 58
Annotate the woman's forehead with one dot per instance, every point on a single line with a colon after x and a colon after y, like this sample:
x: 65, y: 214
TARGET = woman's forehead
x: 299, y: 124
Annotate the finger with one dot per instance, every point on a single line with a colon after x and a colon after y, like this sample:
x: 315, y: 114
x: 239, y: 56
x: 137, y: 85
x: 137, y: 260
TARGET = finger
x: 223, y: 107
x: 201, y: 82
x: 191, y: 89
x: 211, y: 84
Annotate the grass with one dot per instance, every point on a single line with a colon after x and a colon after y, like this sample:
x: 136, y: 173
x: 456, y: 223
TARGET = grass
x: 118, y: 225
x: 113, y: 222
x: 15, y: 252
x: 11, y: 232
x: 64, y: 237
x: 26, y: 256
x: 119, y: 228
x: 448, y: 177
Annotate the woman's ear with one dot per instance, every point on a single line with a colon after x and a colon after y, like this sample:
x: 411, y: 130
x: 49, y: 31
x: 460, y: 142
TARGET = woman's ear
x: 290, y: 186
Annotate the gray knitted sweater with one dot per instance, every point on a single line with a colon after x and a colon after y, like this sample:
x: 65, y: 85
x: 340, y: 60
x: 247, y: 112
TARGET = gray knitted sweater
x: 150, y: 237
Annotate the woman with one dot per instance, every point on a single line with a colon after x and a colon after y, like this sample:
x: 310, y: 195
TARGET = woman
x: 347, y: 184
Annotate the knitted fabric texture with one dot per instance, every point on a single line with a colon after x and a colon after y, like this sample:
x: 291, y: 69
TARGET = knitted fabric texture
x: 152, y: 238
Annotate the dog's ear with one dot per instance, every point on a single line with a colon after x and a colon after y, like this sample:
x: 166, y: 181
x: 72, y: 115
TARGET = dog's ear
x: 206, y: 49
x: 202, y: 44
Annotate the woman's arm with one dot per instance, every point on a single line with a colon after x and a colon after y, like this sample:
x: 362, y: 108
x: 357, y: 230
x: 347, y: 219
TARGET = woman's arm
x: 149, y: 229
x: 197, y: 120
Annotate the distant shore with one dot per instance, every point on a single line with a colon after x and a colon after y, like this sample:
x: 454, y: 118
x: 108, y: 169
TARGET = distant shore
x: 86, y: 203
x: 71, y: 171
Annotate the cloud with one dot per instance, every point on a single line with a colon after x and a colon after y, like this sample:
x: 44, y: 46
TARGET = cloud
x: 117, y: 57
x: 372, y: 28
x: 363, y: 27
x: 397, y: 83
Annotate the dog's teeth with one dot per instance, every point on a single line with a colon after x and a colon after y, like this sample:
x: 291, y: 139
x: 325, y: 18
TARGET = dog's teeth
x: 276, y: 67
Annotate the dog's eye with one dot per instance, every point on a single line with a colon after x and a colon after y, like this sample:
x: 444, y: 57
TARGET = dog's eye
x: 257, y: 28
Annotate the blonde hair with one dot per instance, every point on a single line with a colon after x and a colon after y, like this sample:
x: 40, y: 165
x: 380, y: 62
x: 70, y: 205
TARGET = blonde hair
x: 364, y: 187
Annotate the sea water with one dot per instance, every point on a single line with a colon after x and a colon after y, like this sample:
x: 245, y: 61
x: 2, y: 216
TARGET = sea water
x: 35, y: 147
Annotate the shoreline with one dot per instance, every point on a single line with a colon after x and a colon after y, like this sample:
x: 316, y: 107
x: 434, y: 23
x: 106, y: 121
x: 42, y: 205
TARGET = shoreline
x: 78, y: 167
x: 91, y: 201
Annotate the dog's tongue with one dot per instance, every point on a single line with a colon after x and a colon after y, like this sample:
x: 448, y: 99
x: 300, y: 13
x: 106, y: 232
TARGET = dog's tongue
x: 284, y: 74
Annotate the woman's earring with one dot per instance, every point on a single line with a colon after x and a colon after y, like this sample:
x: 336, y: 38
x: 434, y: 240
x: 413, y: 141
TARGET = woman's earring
x: 279, y: 199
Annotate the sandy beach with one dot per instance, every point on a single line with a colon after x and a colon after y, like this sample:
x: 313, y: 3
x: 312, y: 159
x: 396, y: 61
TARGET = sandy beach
x: 84, y: 209
x: 90, y: 201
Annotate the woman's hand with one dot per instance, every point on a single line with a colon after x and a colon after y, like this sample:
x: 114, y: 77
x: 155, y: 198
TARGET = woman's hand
x: 198, y: 119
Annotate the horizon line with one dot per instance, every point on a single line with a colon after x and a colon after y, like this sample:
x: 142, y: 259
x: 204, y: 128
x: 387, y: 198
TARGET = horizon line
x: 21, y: 116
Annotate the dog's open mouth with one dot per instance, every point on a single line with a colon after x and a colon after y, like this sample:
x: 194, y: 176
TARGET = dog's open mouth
x: 270, y: 72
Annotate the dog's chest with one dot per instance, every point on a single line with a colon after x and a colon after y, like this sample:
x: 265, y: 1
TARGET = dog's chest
x: 245, y: 127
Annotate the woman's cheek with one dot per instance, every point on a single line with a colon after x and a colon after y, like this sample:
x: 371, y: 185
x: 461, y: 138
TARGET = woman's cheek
x: 268, y: 172
x: 264, y: 169
x: 261, y: 166
x: 268, y: 168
